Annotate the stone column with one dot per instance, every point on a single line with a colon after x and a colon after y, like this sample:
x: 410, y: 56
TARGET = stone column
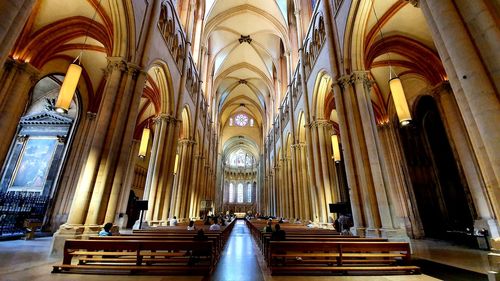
x: 306, y: 190
x: 167, y: 176
x: 480, y: 94
x: 315, y: 156
x: 323, y: 125
x: 187, y: 177
x: 81, y: 200
x: 101, y: 162
x: 481, y: 20
x: 362, y: 88
x: 403, y: 215
x: 154, y: 167
x: 116, y: 143
x: 127, y: 184
x: 13, y: 15
x: 297, y: 186
x: 342, y: 102
x: 16, y: 82
x: 180, y: 189
x: 124, y: 138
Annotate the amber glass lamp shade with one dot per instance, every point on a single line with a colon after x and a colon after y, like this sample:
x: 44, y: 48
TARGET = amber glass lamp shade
x: 398, y: 95
x: 68, y: 88
x: 336, y: 148
x: 143, y: 148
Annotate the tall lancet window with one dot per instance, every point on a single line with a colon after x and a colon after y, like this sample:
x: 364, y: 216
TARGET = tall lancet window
x: 249, y: 193
x: 231, y: 193
x: 240, y: 193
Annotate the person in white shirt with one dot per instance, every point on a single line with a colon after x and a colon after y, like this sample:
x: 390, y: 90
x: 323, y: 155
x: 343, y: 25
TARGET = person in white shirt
x: 191, y: 226
x: 173, y: 222
x: 215, y: 226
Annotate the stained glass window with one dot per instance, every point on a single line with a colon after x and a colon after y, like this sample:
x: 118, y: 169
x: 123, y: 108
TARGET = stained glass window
x: 231, y: 193
x: 251, y: 122
x: 241, y: 120
x: 240, y: 193
x: 249, y: 193
x: 230, y: 121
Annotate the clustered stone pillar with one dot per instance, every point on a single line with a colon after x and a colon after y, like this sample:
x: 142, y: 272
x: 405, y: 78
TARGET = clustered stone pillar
x: 369, y: 188
x: 179, y: 193
x: 157, y: 189
x: 101, y: 180
x: 320, y: 130
x: 475, y: 93
x: 16, y: 80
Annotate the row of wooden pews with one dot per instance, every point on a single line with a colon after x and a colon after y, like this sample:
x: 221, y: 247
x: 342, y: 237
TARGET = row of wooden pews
x: 172, y: 250
x: 324, y: 251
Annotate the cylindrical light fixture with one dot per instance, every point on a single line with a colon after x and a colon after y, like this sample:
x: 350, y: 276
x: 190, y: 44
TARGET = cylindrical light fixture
x: 143, y: 148
x: 68, y: 88
x: 336, y: 148
x: 399, y: 98
x: 176, y: 163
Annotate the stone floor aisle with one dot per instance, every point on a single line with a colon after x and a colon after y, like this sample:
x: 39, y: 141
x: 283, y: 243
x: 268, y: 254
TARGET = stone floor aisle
x: 239, y: 260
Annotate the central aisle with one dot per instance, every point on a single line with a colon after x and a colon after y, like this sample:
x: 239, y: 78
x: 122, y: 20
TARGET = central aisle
x: 239, y: 259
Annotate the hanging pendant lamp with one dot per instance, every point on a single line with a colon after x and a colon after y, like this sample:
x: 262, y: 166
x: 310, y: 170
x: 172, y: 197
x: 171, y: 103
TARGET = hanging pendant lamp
x: 68, y: 88
x: 336, y: 148
x: 143, y: 147
x: 399, y: 98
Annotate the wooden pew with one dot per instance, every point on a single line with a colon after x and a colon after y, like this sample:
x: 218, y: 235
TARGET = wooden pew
x: 340, y: 257
x: 320, y: 238
x: 137, y: 256
x: 214, y: 238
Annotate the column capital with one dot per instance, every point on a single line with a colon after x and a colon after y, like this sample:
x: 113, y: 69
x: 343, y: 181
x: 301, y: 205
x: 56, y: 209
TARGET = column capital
x: 23, y: 66
x: 320, y: 123
x: 441, y: 88
x: 344, y: 81
x: 415, y: 3
x: 135, y: 70
x: 186, y: 142
x: 298, y: 145
x: 360, y: 76
x: 116, y: 63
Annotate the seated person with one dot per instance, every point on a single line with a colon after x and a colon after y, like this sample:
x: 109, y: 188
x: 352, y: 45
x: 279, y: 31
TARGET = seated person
x: 297, y: 221
x: 215, y: 226
x: 278, y: 234
x: 106, y: 231
x: 268, y: 228
x: 310, y: 224
x: 191, y: 226
x: 280, y: 220
x: 174, y: 222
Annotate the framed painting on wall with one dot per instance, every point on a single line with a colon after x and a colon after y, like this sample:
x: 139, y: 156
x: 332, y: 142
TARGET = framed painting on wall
x: 33, y: 164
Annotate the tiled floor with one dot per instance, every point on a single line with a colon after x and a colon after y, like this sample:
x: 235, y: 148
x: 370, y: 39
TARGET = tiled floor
x: 241, y: 260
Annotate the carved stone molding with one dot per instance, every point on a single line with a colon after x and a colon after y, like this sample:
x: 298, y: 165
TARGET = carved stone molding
x: 361, y: 77
x: 321, y: 123
x: 344, y: 81
x: 441, y: 88
x: 186, y: 142
x: 116, y: 63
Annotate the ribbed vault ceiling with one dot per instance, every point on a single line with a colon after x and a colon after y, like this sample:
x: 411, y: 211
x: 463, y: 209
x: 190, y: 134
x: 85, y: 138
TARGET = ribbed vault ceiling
x: 245, y: 39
